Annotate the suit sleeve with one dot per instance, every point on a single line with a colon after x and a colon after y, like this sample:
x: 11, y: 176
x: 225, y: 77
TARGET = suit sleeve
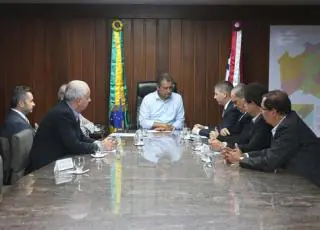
x: 281, y: 150
x: 204, y: 132
x: 230, y: 120
x: 68, y: 132
x: 231, y: 140
x: 84, y: 138
x: 260, y: 139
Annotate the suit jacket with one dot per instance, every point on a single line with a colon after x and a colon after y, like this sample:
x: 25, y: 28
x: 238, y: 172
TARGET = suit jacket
x: 255, y: 136
x: 242, y: 123
x: 58, y: 135
x: 294, y: 147
x: 14, y: 123
x: 230, y: 118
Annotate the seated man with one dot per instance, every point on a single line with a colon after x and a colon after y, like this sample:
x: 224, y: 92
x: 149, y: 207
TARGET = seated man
x: 294, y: 146
x: 256, y: 135
x: 230, y: 114
x: 86, y: 126
x: 163, y: 109
x: 59, y: 133
x: 21, y: 105
x: 237, y: 97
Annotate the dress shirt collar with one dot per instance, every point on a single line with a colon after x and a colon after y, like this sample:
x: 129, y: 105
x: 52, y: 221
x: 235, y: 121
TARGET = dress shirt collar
x: 75, y: 113
x: 255, y: 118
x: 242, y: 116
x: 273, y: 131
x: 226, y: 105
x: 159, y: 98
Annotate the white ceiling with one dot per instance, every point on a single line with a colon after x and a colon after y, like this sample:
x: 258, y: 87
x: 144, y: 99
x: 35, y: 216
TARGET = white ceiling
x: 177, y: 2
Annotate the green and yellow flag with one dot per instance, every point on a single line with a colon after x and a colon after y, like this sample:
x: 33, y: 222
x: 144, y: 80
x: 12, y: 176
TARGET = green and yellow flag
x: 118, y: 103
x: 116, y: 182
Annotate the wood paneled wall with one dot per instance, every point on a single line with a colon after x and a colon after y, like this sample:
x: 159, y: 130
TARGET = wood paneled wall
x: 44, y: 46
x: 44, y: 54
x: 194, y: 52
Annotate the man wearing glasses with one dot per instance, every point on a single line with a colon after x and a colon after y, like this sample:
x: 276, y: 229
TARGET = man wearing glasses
x: 163, y: 109
x: 294, y: 146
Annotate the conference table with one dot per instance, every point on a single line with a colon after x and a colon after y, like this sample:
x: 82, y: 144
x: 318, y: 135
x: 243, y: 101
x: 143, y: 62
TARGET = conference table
x: 163, y: 184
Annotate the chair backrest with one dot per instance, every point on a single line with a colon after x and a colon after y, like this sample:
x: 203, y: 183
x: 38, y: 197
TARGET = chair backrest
x: 6, y: 159
x: 1, y: 177
x: 143, y: 89
x: 21, y: 145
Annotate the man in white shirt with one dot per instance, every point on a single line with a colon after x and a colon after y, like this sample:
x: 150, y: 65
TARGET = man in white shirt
x: 22, y: 104
x: 163, y: 109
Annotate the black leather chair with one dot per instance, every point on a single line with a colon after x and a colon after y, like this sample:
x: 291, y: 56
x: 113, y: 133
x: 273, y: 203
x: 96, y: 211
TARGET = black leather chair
x: 5, y: 152
x: 21, y: 146
x: 143, y: 89
x: 1, y: 176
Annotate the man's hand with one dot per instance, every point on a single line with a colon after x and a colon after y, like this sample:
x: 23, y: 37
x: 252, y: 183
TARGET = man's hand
x: 224, y: 132
x: 160, y: 129
x: 216, y: 144
x: 108, y: 143
x: 162, y: 126
x: 195, y: 130
x: 234, y: 155
x: 213, y: 135
x: 169, y: 127
x: 198, y: 126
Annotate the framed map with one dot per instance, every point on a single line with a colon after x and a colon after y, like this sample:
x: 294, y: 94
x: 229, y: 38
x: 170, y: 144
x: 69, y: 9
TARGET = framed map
x: 294, y: 66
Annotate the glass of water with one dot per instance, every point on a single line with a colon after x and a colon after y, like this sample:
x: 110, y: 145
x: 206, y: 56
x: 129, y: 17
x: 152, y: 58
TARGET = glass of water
x: 138, y: 138
x: 186, y: 132
x: 197, y: 143
x: 143, y: 132
x: 78, y: 163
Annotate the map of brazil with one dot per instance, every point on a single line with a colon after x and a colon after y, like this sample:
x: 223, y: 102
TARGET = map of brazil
x: 294, y: 67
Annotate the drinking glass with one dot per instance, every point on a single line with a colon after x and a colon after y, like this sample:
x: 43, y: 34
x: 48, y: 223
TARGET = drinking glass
x: 197, y: 143
x: 144, y: 132
x: 78, y: 163
x: 186, y: 132
x: 138, y: 138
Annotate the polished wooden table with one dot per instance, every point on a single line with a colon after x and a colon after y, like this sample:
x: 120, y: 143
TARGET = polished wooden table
x: 163, y: 185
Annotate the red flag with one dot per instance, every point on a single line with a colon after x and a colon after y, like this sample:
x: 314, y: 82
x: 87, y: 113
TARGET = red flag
x: 234, y: 66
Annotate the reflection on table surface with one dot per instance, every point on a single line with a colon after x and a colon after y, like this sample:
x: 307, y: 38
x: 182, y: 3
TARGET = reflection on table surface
x: 159, y: 147
x: 121, y: 193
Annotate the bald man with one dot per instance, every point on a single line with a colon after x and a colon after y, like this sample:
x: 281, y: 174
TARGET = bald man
x: 59, y: 133
x: 86, y: 126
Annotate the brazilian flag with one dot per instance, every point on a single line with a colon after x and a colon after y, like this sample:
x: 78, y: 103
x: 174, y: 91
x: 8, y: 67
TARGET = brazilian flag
x: 116, y: 182
x: 118, y: 99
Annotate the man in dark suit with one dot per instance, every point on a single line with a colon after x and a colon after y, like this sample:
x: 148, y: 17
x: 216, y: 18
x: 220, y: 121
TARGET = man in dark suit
x: 230, y: 114
x: 87, y: 127
x: 294, y: 147
x: 21, y: 105
x: 237, y: 97
x: 59, y: 133
x: 256, y: 135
